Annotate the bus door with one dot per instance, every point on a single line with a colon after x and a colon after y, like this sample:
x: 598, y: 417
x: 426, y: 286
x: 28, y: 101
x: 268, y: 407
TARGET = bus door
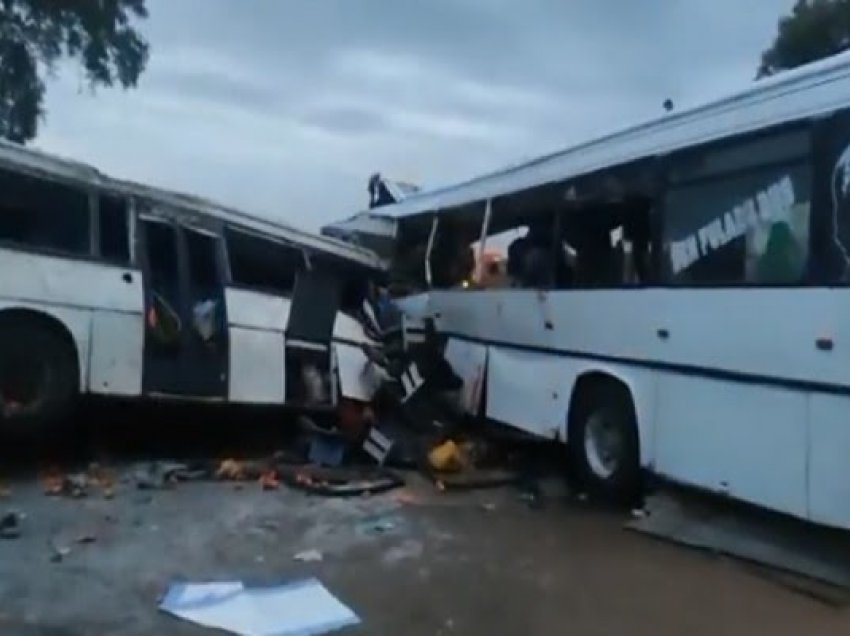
x: 186, y: 342
x: 311, y: 374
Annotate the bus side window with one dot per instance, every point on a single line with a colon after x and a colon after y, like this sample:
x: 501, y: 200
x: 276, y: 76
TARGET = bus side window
x: 262, y: 264
x: 43, y: 214
x: 114, y: 230
x: 743, y: 218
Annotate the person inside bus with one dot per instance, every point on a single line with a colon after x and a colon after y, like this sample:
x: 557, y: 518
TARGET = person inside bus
x: 516, y: 255
x: 538, y: 259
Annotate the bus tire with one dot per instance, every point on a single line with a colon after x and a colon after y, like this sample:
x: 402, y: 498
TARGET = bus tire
x: 603, y: 441
x: 39, y: 374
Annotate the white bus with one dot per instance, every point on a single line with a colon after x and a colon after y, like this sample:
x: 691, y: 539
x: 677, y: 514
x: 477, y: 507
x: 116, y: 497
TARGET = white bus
x: 680, y: 304
x: 116, y: 289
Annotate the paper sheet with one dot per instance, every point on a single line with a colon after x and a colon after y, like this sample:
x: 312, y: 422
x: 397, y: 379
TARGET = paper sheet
x: 302, y: 608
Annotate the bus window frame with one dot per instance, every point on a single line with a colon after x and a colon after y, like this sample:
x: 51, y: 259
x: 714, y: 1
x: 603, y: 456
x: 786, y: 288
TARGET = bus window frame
x: 435, y: 224
x: 230, y: 282
x: 807, y: 160
x: 83, y: 188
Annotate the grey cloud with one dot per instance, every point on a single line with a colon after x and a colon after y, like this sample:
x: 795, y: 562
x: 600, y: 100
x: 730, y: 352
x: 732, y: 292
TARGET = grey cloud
x: 346, y: 120
x: 285, y: 106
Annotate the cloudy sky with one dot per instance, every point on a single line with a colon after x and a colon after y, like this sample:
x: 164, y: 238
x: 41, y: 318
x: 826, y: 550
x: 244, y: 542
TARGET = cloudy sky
x: 284, y: 107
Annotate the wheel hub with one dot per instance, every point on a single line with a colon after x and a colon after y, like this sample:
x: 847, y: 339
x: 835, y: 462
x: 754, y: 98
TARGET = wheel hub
x: 603, y: 444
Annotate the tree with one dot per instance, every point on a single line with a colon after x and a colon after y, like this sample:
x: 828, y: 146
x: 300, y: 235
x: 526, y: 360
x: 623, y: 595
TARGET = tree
x: 815, y: 29
x: 36, y: 34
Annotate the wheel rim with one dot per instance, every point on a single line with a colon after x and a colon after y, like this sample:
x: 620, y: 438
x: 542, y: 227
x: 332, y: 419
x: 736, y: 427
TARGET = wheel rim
x: 603, y: 445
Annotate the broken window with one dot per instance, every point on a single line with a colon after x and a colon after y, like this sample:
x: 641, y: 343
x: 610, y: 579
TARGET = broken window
x: 43, y: 214
x: 262, y: 263
x: 452, y: 260
x: 162, y: 254
x: 734, y: 220
x: 202, y: 250
x: 114, y: 227
x: 407, y: 273
x: 603, y: 229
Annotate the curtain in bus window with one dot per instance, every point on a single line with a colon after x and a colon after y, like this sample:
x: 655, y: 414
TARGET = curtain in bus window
x: 746, y: 228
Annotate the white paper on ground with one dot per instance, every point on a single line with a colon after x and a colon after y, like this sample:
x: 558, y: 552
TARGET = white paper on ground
x: 302, y: 608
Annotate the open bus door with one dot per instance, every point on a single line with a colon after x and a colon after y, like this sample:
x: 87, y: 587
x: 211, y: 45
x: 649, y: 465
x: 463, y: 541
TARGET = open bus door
x: 311, y: 374
x: 186, y: 341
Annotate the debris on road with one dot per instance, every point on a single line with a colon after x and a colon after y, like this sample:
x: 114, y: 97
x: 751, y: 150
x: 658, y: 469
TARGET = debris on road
x: 58, y: 552
x: 308, y: 556
x: 235, y: 470
x: 57, y: 484
x: 326, y: 450
x: 269, y: 481
x: 448, y: 457
x: 380, y: 525
x: 301, y: 607
x: 340, y: 482
x: 159, y: 475
x: 10, y: 525
x: 78, y: 485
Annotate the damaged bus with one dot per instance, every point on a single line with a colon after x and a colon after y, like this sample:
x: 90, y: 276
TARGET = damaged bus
x: 676, y: 298
x: 116, y: 289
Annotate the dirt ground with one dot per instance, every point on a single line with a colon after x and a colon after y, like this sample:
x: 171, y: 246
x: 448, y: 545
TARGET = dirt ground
x: 482, y: 563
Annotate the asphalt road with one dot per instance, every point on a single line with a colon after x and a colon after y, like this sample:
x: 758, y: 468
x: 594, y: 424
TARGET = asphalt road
x: 473, y: 564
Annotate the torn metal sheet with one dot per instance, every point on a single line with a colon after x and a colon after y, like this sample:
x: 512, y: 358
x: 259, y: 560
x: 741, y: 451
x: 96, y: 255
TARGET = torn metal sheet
x: 751, y: 535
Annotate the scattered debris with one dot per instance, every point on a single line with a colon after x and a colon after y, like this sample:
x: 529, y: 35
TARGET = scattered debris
x: 234, y: 470
x: 488, y: 506
x: 55, y: 483
x: 10, y: 525
x: 639, y: 513
x: 159, y: 475
x: 326, y: 449
x: 269, y: 481
x: 99, y: 477
x: 58, y: 552
x: 229, y: 469
x: 76, y: 485
x: 378, y: 446
x: 301, y: 607
x: 478, y: 479
x: 532, y: 498
x: 308, y: 556
x: 340, y: 482
x: 86, y: 538
x: 381, y: 525
x: 448, y: 457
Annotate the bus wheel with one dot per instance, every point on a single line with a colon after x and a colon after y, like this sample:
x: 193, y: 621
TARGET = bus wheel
x: 39, y: 377
x: 603, y: 441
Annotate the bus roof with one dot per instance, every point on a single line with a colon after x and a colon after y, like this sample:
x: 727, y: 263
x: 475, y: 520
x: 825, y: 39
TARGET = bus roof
x: 816, y: 89
x: 53, y: 167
